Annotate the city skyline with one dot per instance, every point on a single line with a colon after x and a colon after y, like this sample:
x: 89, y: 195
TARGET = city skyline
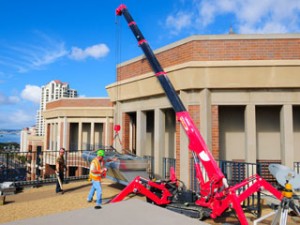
x: 81, y: 43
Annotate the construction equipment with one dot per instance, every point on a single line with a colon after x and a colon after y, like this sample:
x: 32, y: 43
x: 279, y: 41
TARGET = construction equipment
x: 290, y: 180
x: 125, y: 169
x: 215, y: 195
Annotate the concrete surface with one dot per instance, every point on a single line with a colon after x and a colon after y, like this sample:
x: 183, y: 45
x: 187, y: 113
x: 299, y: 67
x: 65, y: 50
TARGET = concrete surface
x: 129, y: 212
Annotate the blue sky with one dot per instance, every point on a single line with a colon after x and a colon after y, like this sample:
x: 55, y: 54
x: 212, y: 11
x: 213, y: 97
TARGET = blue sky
x: 80, y: 42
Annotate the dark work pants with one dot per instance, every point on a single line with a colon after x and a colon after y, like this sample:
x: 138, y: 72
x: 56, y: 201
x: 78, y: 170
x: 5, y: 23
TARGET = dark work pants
x: 61, y: 176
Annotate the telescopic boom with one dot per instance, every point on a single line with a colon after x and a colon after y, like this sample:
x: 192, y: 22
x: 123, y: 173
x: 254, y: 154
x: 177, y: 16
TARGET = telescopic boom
x: 197, y: 143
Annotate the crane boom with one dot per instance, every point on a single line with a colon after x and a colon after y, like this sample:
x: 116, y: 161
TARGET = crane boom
x: 196, y: 141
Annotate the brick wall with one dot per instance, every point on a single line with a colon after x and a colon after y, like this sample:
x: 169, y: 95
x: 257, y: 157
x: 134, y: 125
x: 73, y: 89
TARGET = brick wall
x: 215, y: 132
x: 194, y: 111
x: 125, y: 136
x: 218, y: 50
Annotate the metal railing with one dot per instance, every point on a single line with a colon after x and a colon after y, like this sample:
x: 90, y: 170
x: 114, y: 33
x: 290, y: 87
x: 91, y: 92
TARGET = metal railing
x: 167, y: 164
x: 150, y: 169
x: 297, y: 167
x: 31, y: 168
x: 236, y: 172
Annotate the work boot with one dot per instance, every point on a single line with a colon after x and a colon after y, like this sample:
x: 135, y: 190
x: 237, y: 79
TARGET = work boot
x: 98, y: 207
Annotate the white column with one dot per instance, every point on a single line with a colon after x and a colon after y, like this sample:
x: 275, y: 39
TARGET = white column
x: 79, y: 136
x: 205, y: 117
x: 51, y: 141
x: 45, y: 139
x: 140, y: 133
x: 287, y: 135
x: 159, y: 140
x: 65, y: 132
x: 250, y: 134
x: 184, y: 150
x: 55, y: 136
x: 92, y: 141
x: 107, y: 131
x: 59, y: 128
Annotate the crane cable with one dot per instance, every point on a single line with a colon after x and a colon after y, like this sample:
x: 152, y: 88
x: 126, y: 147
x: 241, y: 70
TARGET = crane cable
x: 118, y: 34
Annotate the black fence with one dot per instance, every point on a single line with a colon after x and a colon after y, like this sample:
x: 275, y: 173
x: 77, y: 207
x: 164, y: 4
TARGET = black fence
x: 167, y: 164
x: 33, y: 168
x: 29, y: 167
x: 236, y: 172
x: 151, y: 165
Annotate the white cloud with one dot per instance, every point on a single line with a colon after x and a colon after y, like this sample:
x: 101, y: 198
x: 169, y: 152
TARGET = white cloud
x: 248, y: 16
x: 49, y: 56
x: 179, y: 21
x: 95, y: 51
x: 23, y: 57
x: 206, y: 14
x: 265, y: 29
x: 32, y: 93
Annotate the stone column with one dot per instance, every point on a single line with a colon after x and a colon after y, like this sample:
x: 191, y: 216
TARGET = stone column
x: 287, y: 135
x: 159, y: 141
x: 140, y: 133
x: 55, y: 145
x: 79, y: 136
x: 50, y: 137
x: 45, y: 141
x: 107, y: 131
x: 92, y: 141
x: 65, y: 133
x: 250, y: 134
x: 59, y: 132
x: 205, y: 117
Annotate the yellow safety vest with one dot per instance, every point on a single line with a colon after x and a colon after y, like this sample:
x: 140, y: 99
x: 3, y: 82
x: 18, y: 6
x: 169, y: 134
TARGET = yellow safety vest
x: 93, y: 176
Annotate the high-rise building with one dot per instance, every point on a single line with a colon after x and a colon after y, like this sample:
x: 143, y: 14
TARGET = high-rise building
x: 52, y: 91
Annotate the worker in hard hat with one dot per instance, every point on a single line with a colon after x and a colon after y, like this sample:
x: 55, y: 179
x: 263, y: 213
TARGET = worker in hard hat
x: 97, y: 170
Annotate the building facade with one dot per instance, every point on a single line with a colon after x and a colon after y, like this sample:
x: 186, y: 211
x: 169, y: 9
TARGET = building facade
x: 52, y: 91
x: 25, y: 135
x: 78, y: 124
x: 242, y: 91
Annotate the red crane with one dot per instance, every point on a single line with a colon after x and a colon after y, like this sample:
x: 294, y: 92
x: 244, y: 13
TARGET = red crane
x: 215, y: 196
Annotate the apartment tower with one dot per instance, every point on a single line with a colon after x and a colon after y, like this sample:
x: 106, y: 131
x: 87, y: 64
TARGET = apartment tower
x: 54, y: 90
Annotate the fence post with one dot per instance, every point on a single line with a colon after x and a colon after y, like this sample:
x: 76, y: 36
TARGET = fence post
x: 258, y: 169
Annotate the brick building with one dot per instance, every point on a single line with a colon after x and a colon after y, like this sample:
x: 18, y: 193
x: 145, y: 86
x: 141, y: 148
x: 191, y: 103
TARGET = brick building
x: 242, y: 92
x: 78, y: 123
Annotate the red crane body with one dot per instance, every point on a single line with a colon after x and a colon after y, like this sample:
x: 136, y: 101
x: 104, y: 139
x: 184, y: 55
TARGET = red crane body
x: 215, y: 195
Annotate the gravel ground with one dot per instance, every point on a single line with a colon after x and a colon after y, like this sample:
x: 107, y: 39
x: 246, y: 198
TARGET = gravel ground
x: 36, y: 202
